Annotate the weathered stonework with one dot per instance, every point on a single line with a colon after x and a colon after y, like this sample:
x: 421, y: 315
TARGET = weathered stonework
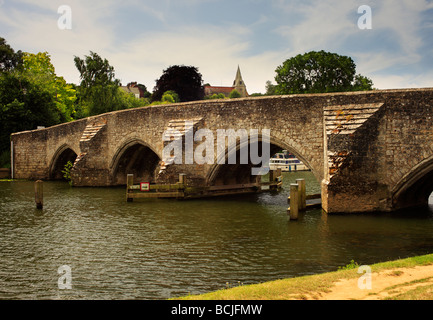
x: 370, y: 150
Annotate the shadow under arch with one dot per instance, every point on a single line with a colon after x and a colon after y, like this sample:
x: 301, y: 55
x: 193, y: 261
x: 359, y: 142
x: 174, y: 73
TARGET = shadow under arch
x: 415, y: 188
x: 134, y: 157
x: 223, y: 173
x: 63, y: 154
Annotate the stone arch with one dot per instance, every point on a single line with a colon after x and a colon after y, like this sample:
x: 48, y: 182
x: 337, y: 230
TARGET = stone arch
x: 415, y: 187
x: 63, y: 154
x: 134, y: 157
x: 241, y: 173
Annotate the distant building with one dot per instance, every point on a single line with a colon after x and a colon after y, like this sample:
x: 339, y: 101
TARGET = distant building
x: 134, y: 89
x: 238, y: 84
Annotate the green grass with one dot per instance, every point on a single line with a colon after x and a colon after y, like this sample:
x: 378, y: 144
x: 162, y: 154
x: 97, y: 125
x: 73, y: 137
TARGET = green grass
x: 310, y: 287
x: 419, y: 293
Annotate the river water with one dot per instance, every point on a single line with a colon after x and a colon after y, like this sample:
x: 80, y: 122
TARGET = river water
x: 158, y: 249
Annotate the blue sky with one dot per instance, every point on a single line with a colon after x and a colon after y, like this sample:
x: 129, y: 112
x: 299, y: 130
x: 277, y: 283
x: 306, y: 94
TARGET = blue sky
x: 142, y: 38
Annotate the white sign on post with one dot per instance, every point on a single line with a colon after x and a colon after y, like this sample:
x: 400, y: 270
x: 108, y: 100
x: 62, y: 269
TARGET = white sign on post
x: 145, y: 186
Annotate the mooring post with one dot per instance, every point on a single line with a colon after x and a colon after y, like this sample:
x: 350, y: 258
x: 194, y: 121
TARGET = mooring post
x: 129, y: 184
x: 272, y: 178
x: 302, y: 194
x: 39, y: 194
x: 182, y: 179
x: 182, y: 184
x: 294, y: 201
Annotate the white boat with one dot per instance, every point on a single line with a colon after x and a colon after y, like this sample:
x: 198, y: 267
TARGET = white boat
x: 286, y: 162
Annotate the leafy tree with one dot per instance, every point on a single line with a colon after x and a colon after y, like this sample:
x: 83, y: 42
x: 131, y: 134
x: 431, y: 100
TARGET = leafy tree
x: 9, y: 59
x: 128, y: 100
x: 316, y: 72
x: 217, y: 96
x: 170, y: 96
x: 24, y: 105
x: 234, y: 94
x: 270, y: 88
x: 186, y: 81
x: 95, y: 71
x: 31, y: 94
x: 38, y: 69
x: 98, y: 91
x: 361, y: 83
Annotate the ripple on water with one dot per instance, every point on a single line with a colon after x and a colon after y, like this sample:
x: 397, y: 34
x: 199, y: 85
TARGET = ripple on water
x: 159, y: 249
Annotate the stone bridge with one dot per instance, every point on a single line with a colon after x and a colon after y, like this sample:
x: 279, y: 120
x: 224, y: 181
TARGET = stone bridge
x: 371, y: 151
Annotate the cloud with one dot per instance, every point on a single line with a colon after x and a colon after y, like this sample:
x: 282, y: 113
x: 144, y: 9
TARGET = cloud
x: 141, y: 39
x: 395, y: 44
x: 150, y: 54
x: 321, y: 25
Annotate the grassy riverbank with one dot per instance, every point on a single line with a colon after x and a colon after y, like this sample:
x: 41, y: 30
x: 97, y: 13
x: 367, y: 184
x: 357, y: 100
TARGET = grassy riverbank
x: 404, y: 282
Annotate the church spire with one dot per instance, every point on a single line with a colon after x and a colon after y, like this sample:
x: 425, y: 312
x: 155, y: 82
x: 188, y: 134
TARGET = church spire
x: 239, y: 84
x: 238, y: 80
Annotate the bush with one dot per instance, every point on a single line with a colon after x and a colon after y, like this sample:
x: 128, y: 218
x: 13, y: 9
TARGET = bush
x: 170, y: 96
x: 67, y: 172
x: 217, y: 96
x: 234, y: 94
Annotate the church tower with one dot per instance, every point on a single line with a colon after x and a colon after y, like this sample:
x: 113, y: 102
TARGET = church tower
x: 239, y: 84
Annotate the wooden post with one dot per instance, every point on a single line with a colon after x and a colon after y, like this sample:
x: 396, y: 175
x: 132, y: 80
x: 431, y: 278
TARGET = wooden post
x: 129, y: 183
x: 182, y: 179
x: 272, y: 178
x: 182, y: 183
x: 302, y: 194
x: 39, y: 194
x: 294, y: 201
x: 279, y: 174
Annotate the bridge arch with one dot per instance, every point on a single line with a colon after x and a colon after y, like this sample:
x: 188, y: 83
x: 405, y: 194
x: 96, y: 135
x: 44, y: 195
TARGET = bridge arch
x: 241, y: 173
x: 415, y: 187
x: 137, y: 157
x: 63, y: 154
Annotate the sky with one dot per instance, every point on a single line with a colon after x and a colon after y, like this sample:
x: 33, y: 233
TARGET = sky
x: 393, y: 46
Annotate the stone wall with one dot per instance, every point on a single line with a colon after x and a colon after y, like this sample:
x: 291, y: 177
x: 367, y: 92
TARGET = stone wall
x: 384, y: 152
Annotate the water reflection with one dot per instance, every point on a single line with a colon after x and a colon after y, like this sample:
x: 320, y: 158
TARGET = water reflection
x: 163, y: 248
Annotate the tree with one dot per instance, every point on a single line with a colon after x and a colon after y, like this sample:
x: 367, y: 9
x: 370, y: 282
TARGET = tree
x: 38, y: 69
x: 316, y: 72
x: 361, y: 83
x: 186, y: 81
x: 170, y: 96
x: 95, y: 71
x: 98, y: 89
x: 129, y: 100
x: 31, y: 94
x: 270, y: 88
x: 234, y: 94
x: 24, y: 105
x: 9, y: 59
x: 216, y: 96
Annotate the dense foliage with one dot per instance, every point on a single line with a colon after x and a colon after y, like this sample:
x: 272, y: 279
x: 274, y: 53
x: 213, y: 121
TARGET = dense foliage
x: 318, y: 72
x: 186, y: 81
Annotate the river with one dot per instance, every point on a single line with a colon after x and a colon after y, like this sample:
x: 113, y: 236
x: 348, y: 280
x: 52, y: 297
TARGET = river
x: 158, y: 249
